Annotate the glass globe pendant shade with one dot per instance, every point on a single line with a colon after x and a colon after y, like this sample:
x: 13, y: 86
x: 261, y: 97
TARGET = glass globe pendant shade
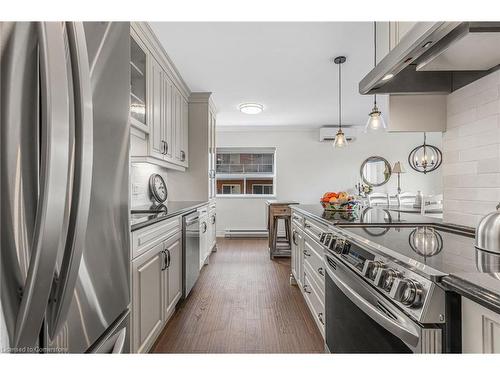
x: 340, y: 139
x: 375, y: 121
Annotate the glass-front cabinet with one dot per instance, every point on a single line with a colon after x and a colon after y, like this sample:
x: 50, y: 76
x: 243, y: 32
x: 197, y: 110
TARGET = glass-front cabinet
x: 138, y: 86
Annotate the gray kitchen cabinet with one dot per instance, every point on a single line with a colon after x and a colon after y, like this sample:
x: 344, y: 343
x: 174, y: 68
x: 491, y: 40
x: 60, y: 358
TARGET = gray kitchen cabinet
x: 163, y: 137
x: 308, y: 265
x: 147, y: 294
x: 297, y: 254
x: 156, y: 280
x: 212, y: 231
x: 156, y: 133
x: 139, y: 96
x: 172, y: 275
x: 203, y: 212
x: 480, y: 328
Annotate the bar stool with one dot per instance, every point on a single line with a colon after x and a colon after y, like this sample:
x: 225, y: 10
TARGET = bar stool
x: 281, y: 243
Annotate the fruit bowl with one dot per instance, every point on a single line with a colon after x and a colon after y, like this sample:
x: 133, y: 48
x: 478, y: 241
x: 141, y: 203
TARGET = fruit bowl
x: 341, y: 201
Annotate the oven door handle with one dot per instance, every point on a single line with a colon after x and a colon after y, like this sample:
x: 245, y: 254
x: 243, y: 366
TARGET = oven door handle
x: 398, y: 324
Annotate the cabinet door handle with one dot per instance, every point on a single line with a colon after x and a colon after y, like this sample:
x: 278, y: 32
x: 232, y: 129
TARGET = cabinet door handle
x: 305, y: 289
x: 320, y: 318
x: 213, y: 219
x: 164, y: 260
x: 204, y: 227
x: 168, y: 259
x: 306, y: 253
x: 307, y: 225
x: 294, y: 237
x: 321, y: 271
x: 166, y: 148
x: 183, y: 156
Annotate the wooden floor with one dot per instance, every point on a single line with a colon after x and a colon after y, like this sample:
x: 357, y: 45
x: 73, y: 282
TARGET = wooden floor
x: 242, y: 303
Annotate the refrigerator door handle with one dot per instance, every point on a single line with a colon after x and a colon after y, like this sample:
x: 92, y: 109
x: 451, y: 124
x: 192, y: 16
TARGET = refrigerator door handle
x: 50, y: 222
x: 82, y: 184
x: 120, y: 342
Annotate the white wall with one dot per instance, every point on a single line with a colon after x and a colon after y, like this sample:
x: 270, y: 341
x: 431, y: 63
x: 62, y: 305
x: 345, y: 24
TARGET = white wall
x: 306, y: 168
x: 471, y: 146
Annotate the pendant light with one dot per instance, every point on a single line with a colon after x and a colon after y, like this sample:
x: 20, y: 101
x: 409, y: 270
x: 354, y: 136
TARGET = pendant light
x: 375, y: 120
x: 340, y: 139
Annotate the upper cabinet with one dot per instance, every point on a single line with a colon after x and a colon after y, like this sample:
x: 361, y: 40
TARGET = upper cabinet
x: 159, y: 103
x: 138, y: 82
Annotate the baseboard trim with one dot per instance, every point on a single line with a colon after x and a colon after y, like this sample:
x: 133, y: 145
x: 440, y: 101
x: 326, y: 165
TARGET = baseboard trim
x: 245, y: 233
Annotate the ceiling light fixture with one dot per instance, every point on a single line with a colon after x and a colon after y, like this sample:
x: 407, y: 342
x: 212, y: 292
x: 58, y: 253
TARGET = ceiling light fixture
x: 251, y: 108
x: 340, y: 139
x: 375, y: 120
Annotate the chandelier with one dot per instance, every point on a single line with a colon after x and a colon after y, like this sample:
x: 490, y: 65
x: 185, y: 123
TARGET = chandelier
x: 425, y: 158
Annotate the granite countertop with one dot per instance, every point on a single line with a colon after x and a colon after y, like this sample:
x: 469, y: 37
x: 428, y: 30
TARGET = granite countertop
x: 140, y: 217
x: 483, y: 288
x: 276, y: 201
x: 369, y: 215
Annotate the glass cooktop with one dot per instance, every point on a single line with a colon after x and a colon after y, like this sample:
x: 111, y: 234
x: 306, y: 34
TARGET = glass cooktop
x: 444, y: 250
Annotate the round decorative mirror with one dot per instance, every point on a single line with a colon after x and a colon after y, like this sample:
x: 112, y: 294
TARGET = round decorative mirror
x: 375, y: 171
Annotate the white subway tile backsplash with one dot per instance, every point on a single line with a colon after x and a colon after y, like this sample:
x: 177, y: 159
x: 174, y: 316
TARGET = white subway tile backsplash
x: 471, y: 151
x: 479, y: 153
x: 139, y: 176
x: 459, y: 168
x: 488, y: 109
x: 462, y: 118
x: 489, y: 123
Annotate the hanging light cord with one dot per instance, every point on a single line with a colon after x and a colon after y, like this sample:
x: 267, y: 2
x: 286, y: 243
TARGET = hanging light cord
x: 375, y: 54
x: 340, y: 96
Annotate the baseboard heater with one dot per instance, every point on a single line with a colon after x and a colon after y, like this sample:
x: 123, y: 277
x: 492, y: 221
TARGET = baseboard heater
x: 241, y: 233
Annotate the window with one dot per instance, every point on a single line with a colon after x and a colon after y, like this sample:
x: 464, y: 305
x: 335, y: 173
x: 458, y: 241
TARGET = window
x: 231, y: 189
x: 262, y: 189
x: 245, y: 171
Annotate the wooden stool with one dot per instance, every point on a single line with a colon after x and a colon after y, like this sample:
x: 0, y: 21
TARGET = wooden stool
x: 281, y: 243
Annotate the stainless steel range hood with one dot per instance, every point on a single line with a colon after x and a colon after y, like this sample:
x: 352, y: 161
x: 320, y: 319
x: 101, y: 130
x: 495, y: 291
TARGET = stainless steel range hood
x: 436, y: 57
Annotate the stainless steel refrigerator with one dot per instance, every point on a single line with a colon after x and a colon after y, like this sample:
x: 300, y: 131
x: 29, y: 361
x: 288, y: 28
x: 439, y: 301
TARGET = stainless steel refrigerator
x: 64, y: 162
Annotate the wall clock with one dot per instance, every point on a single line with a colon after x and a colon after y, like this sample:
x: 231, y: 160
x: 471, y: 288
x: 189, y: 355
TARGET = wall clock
x: 158, y: 188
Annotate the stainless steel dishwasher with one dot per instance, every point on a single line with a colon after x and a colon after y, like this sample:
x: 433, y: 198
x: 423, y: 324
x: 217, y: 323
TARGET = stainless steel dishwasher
x: 191, y: 251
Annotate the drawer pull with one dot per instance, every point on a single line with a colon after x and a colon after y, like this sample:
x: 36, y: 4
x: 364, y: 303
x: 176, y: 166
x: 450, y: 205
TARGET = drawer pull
x: 320, y: 318
x: 305, y: 289
x: 321, y: 271
x: 306, y: 253
x: 307, y: 225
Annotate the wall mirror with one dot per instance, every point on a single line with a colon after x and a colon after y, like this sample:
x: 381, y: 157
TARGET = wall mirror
x: 375, y: 171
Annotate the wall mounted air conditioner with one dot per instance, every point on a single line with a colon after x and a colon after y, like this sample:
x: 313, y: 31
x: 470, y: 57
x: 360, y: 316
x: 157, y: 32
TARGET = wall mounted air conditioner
x: 327, y: 133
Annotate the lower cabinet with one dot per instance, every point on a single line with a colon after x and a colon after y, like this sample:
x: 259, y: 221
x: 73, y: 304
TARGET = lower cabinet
x: 156, y: 289
x: 147, y: 297
x: 297, y: 255
x: 480, y: 328
x: 172, y: 275
x: 203, y: 239
x: 212, y: 232
x: 308, y: 270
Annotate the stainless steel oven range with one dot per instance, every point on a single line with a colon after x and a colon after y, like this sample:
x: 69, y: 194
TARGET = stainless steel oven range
x: 381, y: 300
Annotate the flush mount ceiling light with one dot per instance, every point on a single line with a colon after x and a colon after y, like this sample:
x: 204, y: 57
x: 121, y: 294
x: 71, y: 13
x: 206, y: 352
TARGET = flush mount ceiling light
x: 340, y: 139
x: 251, y: 108
x: 375, y: 120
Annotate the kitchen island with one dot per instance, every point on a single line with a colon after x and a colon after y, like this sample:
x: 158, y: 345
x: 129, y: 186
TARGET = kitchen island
x: 403, y: 255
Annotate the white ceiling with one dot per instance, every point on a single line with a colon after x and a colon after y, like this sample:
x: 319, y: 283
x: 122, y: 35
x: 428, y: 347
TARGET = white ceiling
x: 286, y: 66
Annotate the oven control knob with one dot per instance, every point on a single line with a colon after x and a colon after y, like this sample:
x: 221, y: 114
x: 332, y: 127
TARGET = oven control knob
x: 385, y: 278
x: 371, y: 268
x: 407, y: 291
